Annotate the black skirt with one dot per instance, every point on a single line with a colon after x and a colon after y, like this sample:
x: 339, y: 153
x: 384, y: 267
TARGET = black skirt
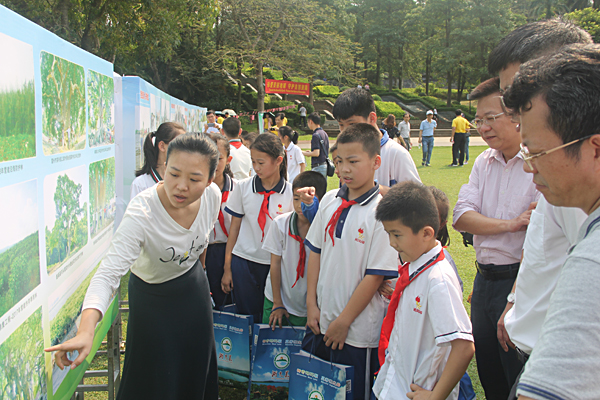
x: 170, y: 350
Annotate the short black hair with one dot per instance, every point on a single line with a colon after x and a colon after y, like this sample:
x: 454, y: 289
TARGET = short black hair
x: 249, y: 137
x: 362, y: 133
x: 315, y: 118
x: 533, y: 40
x: 569, y: 82
x: 311, y: 178
x: 353, y: 102
x: 410, y: 203
x: 209, y: 112
x: 486, y: 88
x: 196, y: 143
x: 458, y: 111
x: 443, y: 206
x: 231, y: 127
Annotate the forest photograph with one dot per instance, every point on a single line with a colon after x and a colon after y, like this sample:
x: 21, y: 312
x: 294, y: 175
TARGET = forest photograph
x: 22, y: 362
x: 143, y: 128
x: 17, y: 100
x: 65, y: 318
x: 160, y: 109
x: 65, y: 215
x: 102, y: 195
x: 63, y: 104
x: 101, y: 109
x: 19, y: 243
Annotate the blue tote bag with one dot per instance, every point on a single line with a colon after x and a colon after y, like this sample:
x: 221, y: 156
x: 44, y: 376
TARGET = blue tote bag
x: 233, y: 338
x: 316, y: 379
x: 271, y: 358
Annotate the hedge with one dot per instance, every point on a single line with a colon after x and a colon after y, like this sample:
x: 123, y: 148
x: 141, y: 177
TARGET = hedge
x: 385, y: 108
x: 327, y: 91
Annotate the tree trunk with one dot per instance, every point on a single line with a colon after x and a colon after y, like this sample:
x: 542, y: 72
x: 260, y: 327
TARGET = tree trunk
x: 378, y: 62
x: 311, y: 98
x: 449, y: 82
x: 390, y: 74
x: 548, y: 9
x: 596, y: 4
x: 427, y: 72
x: 460, y: 84
x: 366, y: 70
x: 240, y: 85
x: 260, y: 96
x: 401, y: 67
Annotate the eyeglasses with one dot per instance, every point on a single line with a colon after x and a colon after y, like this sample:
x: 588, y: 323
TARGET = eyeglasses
x: 488, y: 120
x: 514, y: 116
x: 528, y: 157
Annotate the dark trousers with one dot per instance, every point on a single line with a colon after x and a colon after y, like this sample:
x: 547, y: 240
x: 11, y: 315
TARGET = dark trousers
x: 458, y: 148
x: 249, y: 286
x: 302, y: 122
x: 357, y: 357
x: 498, y: 370
x: 215, y: 259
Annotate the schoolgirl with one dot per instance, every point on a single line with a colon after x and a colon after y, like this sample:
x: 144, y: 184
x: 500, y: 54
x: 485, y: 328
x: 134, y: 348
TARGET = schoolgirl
x: 295, y: 159
x: 253, y: 205
x: 155, y: 155
x: 215, y: 253
x: 163, y: 236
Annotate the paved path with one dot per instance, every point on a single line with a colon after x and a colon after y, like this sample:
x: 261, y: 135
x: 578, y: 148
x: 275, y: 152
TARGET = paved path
x: 438, y: 141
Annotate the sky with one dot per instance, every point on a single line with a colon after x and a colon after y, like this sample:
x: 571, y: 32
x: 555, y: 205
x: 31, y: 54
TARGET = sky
x: 18, y: 68
x: 20, y: 212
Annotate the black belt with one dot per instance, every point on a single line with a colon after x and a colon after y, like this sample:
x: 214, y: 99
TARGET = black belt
x: 493, y: 272
x: 319, y: 164
x: 521, y: 355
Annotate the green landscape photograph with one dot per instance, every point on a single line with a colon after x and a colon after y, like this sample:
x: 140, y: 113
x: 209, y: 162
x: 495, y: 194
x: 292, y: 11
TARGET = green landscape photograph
x: 17, y: 100
x: 22, y: 362
x: 66, y: 215
x: 102, y: 195
x: 101, y: 107
x: 63, y: 104
x: 19, y: 244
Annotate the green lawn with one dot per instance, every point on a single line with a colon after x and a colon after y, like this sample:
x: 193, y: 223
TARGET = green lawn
x: 438, y: 174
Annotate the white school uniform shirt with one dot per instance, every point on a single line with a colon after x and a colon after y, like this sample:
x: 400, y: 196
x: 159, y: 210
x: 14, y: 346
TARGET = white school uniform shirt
x: 144, y: 182
x: 430, y: 315
x: 245, y: 203
x: 279, y: 242
x: 397, y: 164
x: 361, y: 248
x: 294, y: 159
x: 217, y: 235
x: 550, y: 233
x: 152, y: 244
x: 241, y: 161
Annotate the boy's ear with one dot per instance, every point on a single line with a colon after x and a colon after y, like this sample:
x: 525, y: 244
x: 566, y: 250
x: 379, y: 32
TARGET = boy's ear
x: 372, y: 118
x: 428, y: 233
x: 279, y: 160
x: 377, y: 162
x: 229, y: 159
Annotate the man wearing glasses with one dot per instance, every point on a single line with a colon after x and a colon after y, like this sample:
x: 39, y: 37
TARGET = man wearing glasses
x: 556, y: 98
x: 495, y: 206
x: 552, y: 230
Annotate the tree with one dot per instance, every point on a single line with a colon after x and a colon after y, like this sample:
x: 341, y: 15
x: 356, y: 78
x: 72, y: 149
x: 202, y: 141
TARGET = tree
x: 588, y: 19
x: 66, y: 200
x: 100, y: 108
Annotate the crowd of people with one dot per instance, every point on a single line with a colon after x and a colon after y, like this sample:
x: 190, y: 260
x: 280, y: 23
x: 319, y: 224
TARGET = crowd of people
x: 363, y: 267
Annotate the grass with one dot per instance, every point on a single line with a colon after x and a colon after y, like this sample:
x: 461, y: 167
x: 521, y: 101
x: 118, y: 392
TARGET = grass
x: 438, y: 174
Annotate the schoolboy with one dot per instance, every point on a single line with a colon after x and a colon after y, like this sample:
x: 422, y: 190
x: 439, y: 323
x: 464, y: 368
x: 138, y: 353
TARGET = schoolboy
x: 426, y: 338
x: 357, y: 106
x: 285, y: 290
x: 348, y: 261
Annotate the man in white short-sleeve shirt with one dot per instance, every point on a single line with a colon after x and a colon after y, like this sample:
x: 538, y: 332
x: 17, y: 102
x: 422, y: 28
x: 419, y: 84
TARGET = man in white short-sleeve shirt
x: 241, y: 161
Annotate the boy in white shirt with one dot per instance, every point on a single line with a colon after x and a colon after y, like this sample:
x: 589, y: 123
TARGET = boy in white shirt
x: 348, y: 261
x: 285, y: 290
x: 426, y: 341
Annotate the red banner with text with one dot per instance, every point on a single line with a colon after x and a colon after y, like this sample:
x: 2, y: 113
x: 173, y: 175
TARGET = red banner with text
x: 286, y: 87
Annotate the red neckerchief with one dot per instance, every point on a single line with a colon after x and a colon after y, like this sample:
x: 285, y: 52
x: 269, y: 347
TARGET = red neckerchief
x: 330, y: 228
x: 302, y: 260
x: 236, y: 143
x: 224, y: 197
x: 264, y: 212
x: 403, y: 281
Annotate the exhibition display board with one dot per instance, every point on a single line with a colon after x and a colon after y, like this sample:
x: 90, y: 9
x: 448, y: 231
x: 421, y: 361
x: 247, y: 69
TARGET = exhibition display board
x: 57, y: 196
x: 140, y: 109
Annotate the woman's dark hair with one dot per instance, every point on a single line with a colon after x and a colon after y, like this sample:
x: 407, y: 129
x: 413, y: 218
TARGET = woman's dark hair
x: 271, y: 145
x: 221, y: 141
x: 287, y: 131
x: 281, y: 116
x: 390, y: 121
x: 166, y: 132
x: 196, y: 142
x: 443, y: 206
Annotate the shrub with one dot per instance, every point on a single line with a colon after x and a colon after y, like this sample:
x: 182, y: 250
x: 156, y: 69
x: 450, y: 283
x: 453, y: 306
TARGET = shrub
x: 385, y: 108
x: 344, y: 88
x: 327, y: 91
x: 319, y: 82
x: 376, y: 97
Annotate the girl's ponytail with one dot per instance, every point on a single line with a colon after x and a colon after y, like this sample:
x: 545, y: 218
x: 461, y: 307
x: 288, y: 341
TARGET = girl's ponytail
x: 287, y: 131
x: 165, y: 133
x: 221, y: 141
x: 271, y: 145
